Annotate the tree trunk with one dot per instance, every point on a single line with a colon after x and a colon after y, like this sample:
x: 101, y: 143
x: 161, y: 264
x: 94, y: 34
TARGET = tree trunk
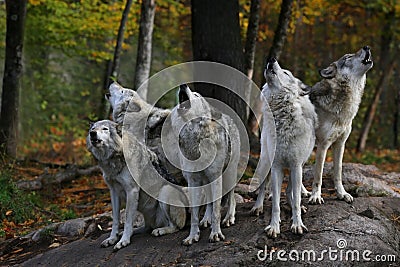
x: 371, y: 111
x: 216, y: 37
x: 387, y: 63
x: 118, y: 46
x: 396, y: 122
x: 281, y: 30
x: 275, y: 51
x: 251, y: 38
x: 112, y: 66
x: 143, y: 61
x: 16, y: 13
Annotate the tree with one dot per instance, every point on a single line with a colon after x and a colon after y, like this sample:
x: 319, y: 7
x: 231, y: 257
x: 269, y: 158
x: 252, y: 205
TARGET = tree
x: 275, y: 51
x: 113, y: 65
x: 388, y: 60
x: 216, y: 37
x: 16, y: 13
x: 143, y: 60
x: 251, y: 38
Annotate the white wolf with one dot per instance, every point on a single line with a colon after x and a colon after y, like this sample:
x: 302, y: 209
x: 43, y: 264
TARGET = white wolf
x: 336, y: 99
x: 295, y: 121
x: 104, y: 141
x: 210, y: 146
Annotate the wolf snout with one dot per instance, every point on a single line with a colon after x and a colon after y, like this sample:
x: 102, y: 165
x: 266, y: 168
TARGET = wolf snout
x: 367, y: 57
x: 184, y: 100
x: 93, y: 137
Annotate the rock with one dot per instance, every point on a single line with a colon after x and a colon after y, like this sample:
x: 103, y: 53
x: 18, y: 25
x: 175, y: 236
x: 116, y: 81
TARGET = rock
x: 75, y: 227
x: 360, y: 180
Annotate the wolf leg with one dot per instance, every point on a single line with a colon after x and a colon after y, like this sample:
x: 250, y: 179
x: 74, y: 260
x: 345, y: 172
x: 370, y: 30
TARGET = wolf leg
x: 259, y: 205
x: 195, y: 199
x: 338, y: 150
x: 273, y: 229
x: 206, y: 221
x: 296, y: 181
x: 230, y: 214
x: 132, y: 201
x: 115, y: 205
x: 216, y: 191
x: 316, y: 197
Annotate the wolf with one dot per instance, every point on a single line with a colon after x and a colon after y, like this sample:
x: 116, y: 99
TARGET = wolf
x: 141, y: 115
x: 265, y: 159
x: 104, y: 141
x: 210, y: 149
x: 295, y: 121
x: 336, y: 99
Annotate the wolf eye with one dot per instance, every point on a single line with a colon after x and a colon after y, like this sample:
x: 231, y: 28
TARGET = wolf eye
x: 286, y: 73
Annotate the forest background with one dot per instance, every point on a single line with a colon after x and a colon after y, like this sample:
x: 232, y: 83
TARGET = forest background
x: 69, y: 48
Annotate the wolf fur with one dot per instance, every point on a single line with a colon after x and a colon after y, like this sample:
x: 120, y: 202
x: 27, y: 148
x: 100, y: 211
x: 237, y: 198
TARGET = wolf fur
x: 127, y: 103
x: 336, y: 99
x: 206, y: 134
x: 295, y: 121
x: 308, y: 112
x: 104, y: 141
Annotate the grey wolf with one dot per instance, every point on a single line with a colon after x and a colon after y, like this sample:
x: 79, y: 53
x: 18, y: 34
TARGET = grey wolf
x: 210, y: 150
x: 295, y: 121
x: 104, y: 141
x: 265, y: 158
x: 146, y: 123
x: 336, y: 99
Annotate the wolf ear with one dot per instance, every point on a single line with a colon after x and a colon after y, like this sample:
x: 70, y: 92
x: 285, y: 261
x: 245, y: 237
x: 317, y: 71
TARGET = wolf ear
x: 329, y: 72
x: 132, y: 106
x: 305, y: 91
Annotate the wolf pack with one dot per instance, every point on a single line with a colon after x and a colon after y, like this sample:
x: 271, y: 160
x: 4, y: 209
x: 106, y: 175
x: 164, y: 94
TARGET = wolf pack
x: 305, y: 117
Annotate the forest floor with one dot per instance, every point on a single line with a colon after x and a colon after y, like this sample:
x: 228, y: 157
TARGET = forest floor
x: 87, y: 196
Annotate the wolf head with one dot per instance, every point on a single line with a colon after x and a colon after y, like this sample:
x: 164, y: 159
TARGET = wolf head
x: 122, y: 100
x: 193, y: 105
x: 142, y: 115
x: 349, y: 66
x: 104, y: 139
x: 282, y: 81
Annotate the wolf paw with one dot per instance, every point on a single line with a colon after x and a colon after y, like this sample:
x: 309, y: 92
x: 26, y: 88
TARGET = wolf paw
x: 316, y: 199
x: 216, y: 236
x: 298, y: 228
x: 305, y: 193
x: 272, y: 230
x: 109, y: 242
x: 229, y: 220
x: 257, y: 210
x: 346, y: 197
x: 206, y: 221
x: 303, y: 209
x: 159, y: 232
x: 122, y: 243
x: 191, y: 239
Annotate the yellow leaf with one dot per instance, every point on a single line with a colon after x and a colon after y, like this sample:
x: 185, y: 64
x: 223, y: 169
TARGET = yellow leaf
x: 9, y: 212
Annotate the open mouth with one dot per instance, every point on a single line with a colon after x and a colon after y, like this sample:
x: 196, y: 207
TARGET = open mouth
x: 269, y: 67
x: 184, y: 102
x: 95, y: 141
x: 367, y: 59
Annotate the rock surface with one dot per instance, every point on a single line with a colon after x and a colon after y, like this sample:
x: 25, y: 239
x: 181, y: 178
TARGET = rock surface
x: 362, y: 231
